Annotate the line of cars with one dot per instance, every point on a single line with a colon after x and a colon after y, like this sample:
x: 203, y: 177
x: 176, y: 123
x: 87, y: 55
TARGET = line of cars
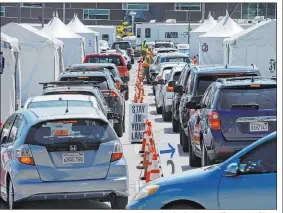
x: 64, y: 144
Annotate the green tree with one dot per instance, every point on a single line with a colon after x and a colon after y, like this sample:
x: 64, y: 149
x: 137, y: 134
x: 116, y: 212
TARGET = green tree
x: 124, y: 30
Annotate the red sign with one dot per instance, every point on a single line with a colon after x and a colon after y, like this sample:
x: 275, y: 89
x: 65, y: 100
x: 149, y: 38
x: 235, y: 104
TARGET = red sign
x: 204, y: 47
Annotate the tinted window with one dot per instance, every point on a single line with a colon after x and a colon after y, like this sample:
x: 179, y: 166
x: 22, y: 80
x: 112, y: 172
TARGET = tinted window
x: 122, y: 45
x: 147, y: 32
x: 262, y: 159
x: 105, y: 37
x: 106, y: 59
x: 62, y: 131
x: 159, y: 45
x: 175, y: 59
x: 171, y: 34
x: 166, y: 51
x: 102, y: 85
x: 6, y: 128
x: 265, y: 98
x: 61, y: 103
x: 14, y: 130
x: 184, y: 51
x: 138, y: 32
x: 176, y: 76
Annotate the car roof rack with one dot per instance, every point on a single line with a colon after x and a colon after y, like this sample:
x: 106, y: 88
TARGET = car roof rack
x: 252, y: 78
x: 69, y: 83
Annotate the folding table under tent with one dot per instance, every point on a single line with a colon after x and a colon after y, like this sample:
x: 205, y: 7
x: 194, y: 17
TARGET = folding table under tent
x: 40, y: 57
x: 91, y: 37
x: 74, y: 45
x: 210, y: 43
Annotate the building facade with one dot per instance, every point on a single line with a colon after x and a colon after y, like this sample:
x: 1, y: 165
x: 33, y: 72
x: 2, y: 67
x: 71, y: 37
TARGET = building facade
x: 115, y: 13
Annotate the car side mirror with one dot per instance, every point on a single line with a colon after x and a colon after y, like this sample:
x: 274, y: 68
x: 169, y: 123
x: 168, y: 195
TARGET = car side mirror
x: 116, y: 80
x: 129, y: 67
x: 232, y: 170
x: 161, y: 81
x: 124, y: 87
x: 178, y: 89
x: 154, y: 83
x: 112, y: 115
x: 192, y: 105
x: 171, y: 83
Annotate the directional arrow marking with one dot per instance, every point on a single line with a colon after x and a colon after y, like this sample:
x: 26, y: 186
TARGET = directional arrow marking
x: 171, y: 150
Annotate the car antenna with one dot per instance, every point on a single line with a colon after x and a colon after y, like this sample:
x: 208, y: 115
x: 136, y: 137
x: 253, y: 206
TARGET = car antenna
x: 67, y: 109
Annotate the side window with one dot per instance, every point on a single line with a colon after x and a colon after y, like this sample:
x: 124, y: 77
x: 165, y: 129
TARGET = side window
x: 22, y: 126
x: 105, y: 37
x: 138, y: 32
x: 6, y: 128
x: 206, y: 95
x: 15, y: 129
x: 262, y: 159
x: 147, y: 32
x: 190, y: 84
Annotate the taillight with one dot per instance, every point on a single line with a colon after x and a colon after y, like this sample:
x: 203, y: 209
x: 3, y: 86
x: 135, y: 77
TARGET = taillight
x: 123, y: 71
x: 132, y: 52
x: 110, y: 92
x: 170, y: 89
x: 214, y: 120
x: 118, y: 84
x: 1, y: 124
x: 24, y: 155
x: 117, y: 152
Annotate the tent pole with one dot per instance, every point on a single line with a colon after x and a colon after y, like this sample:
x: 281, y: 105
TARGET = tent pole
x: 64, y: 10
x: 203, y: 12
x: 42, y: 15
x: 20, y: 13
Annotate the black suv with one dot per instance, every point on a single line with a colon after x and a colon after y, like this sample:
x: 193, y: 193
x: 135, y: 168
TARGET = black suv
x: 125, y: 45
x: 200, y: 77
x: 111, y: 93
x: 232, y: 114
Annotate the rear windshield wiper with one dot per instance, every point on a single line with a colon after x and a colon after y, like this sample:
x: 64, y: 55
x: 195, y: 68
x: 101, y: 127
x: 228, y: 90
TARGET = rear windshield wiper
x: 245, y: 106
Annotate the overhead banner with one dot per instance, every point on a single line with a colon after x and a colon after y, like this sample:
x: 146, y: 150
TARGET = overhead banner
x: 137, y: 118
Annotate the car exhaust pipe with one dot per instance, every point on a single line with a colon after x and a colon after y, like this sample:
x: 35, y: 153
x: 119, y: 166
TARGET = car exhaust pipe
x: 112, y: 196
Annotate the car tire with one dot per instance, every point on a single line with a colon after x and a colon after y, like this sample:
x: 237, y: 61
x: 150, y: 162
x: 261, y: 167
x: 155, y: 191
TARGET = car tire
x: 119, y: 128
x: 180, y: 134
x: 182, y: 206
x: 165, y: 115
x: 158, y: 109
x: 194, y: 161
x: 119, y: 203
x: 185, y: 141
x: 10, y: 198
x: 127, y: 95
x: 204, y: 158
x: 153, y: 90
x: 175, y: 125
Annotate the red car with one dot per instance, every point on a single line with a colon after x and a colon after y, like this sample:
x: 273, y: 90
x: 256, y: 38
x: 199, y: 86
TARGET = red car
x: 113, y: 58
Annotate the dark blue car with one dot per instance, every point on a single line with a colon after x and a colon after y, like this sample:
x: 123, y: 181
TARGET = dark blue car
x: 232, y: 114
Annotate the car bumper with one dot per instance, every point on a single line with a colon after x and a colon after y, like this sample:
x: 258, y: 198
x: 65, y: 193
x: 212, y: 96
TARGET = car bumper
x: 91, y: 189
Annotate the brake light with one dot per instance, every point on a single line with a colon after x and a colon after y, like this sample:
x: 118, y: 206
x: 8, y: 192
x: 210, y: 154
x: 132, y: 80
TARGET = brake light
x: 118, y: 84
x: 170, y: 89
x: 117, y: 152
x: 1, y: 124
x: 196, y: 132
x: 24, y: 155
x: 110, y: 92
x: 255, y: 85
x: 214, y: 120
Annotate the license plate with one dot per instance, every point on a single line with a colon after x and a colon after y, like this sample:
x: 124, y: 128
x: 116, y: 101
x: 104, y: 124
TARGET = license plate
x: 259, y: 127
x: 73, y: 158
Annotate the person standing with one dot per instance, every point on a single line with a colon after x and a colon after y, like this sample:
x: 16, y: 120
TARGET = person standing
x: 143, y: 48
x: 146, y: 64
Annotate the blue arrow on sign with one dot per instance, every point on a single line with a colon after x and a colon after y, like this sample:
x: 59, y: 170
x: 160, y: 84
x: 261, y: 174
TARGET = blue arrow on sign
x: 171, y: 150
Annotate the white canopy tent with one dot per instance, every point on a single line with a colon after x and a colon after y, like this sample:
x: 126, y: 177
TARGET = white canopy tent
x: 74, y: 51
x: 10, y: 78
x: 91, y: 37
x: 210, y: 43
x: 194, y: 34
x: 255, y: 45
x: 40, y: 58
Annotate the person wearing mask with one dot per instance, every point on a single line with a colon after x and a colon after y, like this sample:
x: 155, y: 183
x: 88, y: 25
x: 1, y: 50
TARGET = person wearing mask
x: 146, y: 64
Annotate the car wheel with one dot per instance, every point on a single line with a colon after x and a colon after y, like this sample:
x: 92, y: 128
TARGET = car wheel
x: 185, y: 141
x: 124, y: 125
x: 180, y: 134
x: 175, y: 125
x: 194, y: 161
x: 158, y: 109
x: 11, y: 202
x: 182, y: 206
x: 119, y: 128
x: 119, y: 203
x: 165, y: 115
x: 127, y: 95
x: 204, y: 158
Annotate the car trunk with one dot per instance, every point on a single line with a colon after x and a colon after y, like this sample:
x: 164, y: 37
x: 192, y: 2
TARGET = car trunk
x: 64, y: 156
x: 247, y: 114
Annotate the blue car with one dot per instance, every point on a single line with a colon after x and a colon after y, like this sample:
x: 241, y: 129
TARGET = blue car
x: 233, y: 113
x: 246, y: 181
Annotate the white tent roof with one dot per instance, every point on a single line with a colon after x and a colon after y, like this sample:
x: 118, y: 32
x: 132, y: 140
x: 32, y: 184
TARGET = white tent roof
x: 14, y: 29
x: 225, y: 28
x: 12, y: 41
x: 250, y: 30
x: 58, y: 29
x: 77, y: 26
x: 207, y: 25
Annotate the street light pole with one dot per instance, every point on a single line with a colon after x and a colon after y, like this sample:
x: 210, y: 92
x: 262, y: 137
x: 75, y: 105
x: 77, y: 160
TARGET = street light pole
x: 189, y: 24
x: 64, y: 10
x: 132, y: 13
x: 42, y: 15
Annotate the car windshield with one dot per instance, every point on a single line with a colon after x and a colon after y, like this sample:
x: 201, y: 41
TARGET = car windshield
x: 264, y: 97
x: 158, y: 45
x: 106, y: 59
x: 184, y: 51
x: 174, y: 59
x: 122, y: 45
x: 64, y: 131
x: 102, y: 85
x: 60, y: 103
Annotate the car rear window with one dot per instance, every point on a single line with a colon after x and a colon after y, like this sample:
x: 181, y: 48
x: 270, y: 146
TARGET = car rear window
x: 205, y: 81
x: 60, y: 103
x: 106, y: 59
x: 166, y: 51
x: 102, y: 85
x: 184, y: 51
x: 176, y: 76
x: 158, y: 45
x: 175, y: 59
x: 75, y: 130
x: 122, y: 45
x: 265, y: 98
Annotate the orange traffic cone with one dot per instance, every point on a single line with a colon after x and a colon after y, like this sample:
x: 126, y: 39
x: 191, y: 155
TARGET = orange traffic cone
x: 147, y: 161
x: 153, y: 172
